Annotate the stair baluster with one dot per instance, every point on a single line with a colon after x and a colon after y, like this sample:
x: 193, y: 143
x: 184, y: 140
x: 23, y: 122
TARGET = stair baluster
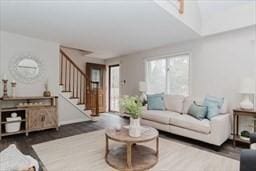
x: 74, y: 80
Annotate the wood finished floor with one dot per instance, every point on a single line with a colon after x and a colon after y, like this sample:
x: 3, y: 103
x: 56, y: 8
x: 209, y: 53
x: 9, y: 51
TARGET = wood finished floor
x: 107, y: 120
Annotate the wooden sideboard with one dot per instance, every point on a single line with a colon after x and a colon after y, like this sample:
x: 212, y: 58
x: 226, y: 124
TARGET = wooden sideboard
x: 37, y: 113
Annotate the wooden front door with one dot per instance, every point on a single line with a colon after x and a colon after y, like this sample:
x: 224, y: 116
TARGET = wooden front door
x: 96, y: 73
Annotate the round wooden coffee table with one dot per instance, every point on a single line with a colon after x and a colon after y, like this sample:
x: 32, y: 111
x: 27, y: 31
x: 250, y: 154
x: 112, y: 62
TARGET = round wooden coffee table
x: 132, y: 156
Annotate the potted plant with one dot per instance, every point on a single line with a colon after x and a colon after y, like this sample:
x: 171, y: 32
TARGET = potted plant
x: 133, y: 107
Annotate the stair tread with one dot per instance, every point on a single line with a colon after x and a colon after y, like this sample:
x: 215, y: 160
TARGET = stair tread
x: 73, y: 97
x: 95, y: 115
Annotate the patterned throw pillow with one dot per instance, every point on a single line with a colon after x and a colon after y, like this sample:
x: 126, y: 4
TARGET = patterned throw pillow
x: 156, y: 102
x: 214, y: 105
x: 197, y: 111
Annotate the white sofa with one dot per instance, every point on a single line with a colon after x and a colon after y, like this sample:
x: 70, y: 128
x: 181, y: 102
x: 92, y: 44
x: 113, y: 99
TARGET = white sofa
x: 176, y: 120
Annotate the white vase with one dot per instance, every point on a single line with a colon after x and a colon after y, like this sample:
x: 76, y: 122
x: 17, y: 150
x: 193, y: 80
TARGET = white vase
x: 134, y: 128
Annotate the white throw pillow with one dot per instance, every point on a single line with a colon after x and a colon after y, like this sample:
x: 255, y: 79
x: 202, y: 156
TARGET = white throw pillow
x: 187, y: 103
x: 12, y: 159
x: 174, y: 103
x: 253, y: 146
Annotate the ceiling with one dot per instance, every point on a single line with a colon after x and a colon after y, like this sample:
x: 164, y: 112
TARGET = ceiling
x: 106, y: 28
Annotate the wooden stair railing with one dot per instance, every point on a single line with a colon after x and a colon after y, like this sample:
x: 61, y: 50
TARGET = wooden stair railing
x: 181, y: 7
x: 74, y: 80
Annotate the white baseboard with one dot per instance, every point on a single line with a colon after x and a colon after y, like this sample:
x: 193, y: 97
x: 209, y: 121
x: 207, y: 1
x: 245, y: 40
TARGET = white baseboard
x: 72, y: 121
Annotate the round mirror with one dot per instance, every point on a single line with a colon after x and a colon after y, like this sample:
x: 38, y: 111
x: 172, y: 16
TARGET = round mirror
x: 26, y: 69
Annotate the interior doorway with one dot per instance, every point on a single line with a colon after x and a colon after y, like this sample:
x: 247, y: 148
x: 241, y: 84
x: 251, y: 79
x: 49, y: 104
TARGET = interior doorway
x: 114, y: 84
x: 96, y: 73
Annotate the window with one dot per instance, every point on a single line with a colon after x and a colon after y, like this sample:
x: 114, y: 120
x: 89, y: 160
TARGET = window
x: 169, y: 75
x: 156, y: 76
x: 114, y: 81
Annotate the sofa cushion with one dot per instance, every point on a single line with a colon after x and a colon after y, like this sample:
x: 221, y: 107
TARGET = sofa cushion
x: 224, y: 108
x: 253, y: 146
x: 214, y: 105
x: 189, y: 122
x: 212, y: 99
x: 156, y: 102
x: 12, y: 159
x: 189, y: 100
x: 174, y: 103
x: 197, y: 111
x: 161, y: 116
x: 187, y: 103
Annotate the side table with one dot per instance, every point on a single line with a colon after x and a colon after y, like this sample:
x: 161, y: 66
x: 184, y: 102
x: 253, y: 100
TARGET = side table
x: 237, y: 113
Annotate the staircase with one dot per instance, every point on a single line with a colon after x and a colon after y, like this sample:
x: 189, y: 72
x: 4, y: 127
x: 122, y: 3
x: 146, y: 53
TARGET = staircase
x: 77, y: 88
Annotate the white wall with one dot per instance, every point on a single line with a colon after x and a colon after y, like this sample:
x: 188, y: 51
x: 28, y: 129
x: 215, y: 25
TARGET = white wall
x: 69, y: 113
x: 240, y: 16
x: 12, y: 45
x: 218, y: 63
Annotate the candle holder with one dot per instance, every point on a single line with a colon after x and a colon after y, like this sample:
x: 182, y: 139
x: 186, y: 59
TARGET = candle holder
x: 5, y: 94
x: 13, y: 89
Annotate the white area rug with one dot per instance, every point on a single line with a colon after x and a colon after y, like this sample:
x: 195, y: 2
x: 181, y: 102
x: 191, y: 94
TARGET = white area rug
x: 85, y: 152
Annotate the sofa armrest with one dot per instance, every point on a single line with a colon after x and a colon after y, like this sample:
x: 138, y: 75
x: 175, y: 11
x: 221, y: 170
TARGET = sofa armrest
x: 247, y: 160
x: 253, y: 138
x: 220, y: 128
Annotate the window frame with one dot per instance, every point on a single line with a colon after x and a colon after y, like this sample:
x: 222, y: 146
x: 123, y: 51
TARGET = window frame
x: 167, y: 57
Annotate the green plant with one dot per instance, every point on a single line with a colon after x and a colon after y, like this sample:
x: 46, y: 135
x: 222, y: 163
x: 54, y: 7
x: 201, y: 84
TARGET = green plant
x: 132, y: 106
x: 245, y: 134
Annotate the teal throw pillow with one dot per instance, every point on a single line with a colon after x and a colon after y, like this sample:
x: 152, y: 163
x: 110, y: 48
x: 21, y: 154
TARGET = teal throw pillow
x: 214, y: 105
x: 156, y: 102
x: 197, y: 111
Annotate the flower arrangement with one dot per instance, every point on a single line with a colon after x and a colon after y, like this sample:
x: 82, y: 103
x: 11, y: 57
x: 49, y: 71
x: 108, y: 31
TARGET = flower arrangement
x: 132, y: 106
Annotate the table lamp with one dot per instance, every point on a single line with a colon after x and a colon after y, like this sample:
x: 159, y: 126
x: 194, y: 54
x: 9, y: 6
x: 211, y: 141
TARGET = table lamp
x: 247, y: 88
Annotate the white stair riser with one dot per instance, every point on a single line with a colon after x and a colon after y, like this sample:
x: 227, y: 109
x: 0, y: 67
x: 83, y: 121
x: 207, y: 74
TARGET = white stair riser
x: 66, y: 94
x: 74, y: 101
x: 82, y: 107
x: 61, y: 87
x: 69, y: 95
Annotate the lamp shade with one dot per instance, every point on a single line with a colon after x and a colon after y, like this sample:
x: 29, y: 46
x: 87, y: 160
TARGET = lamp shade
x: 142, y: 86
x: 248, y: 86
